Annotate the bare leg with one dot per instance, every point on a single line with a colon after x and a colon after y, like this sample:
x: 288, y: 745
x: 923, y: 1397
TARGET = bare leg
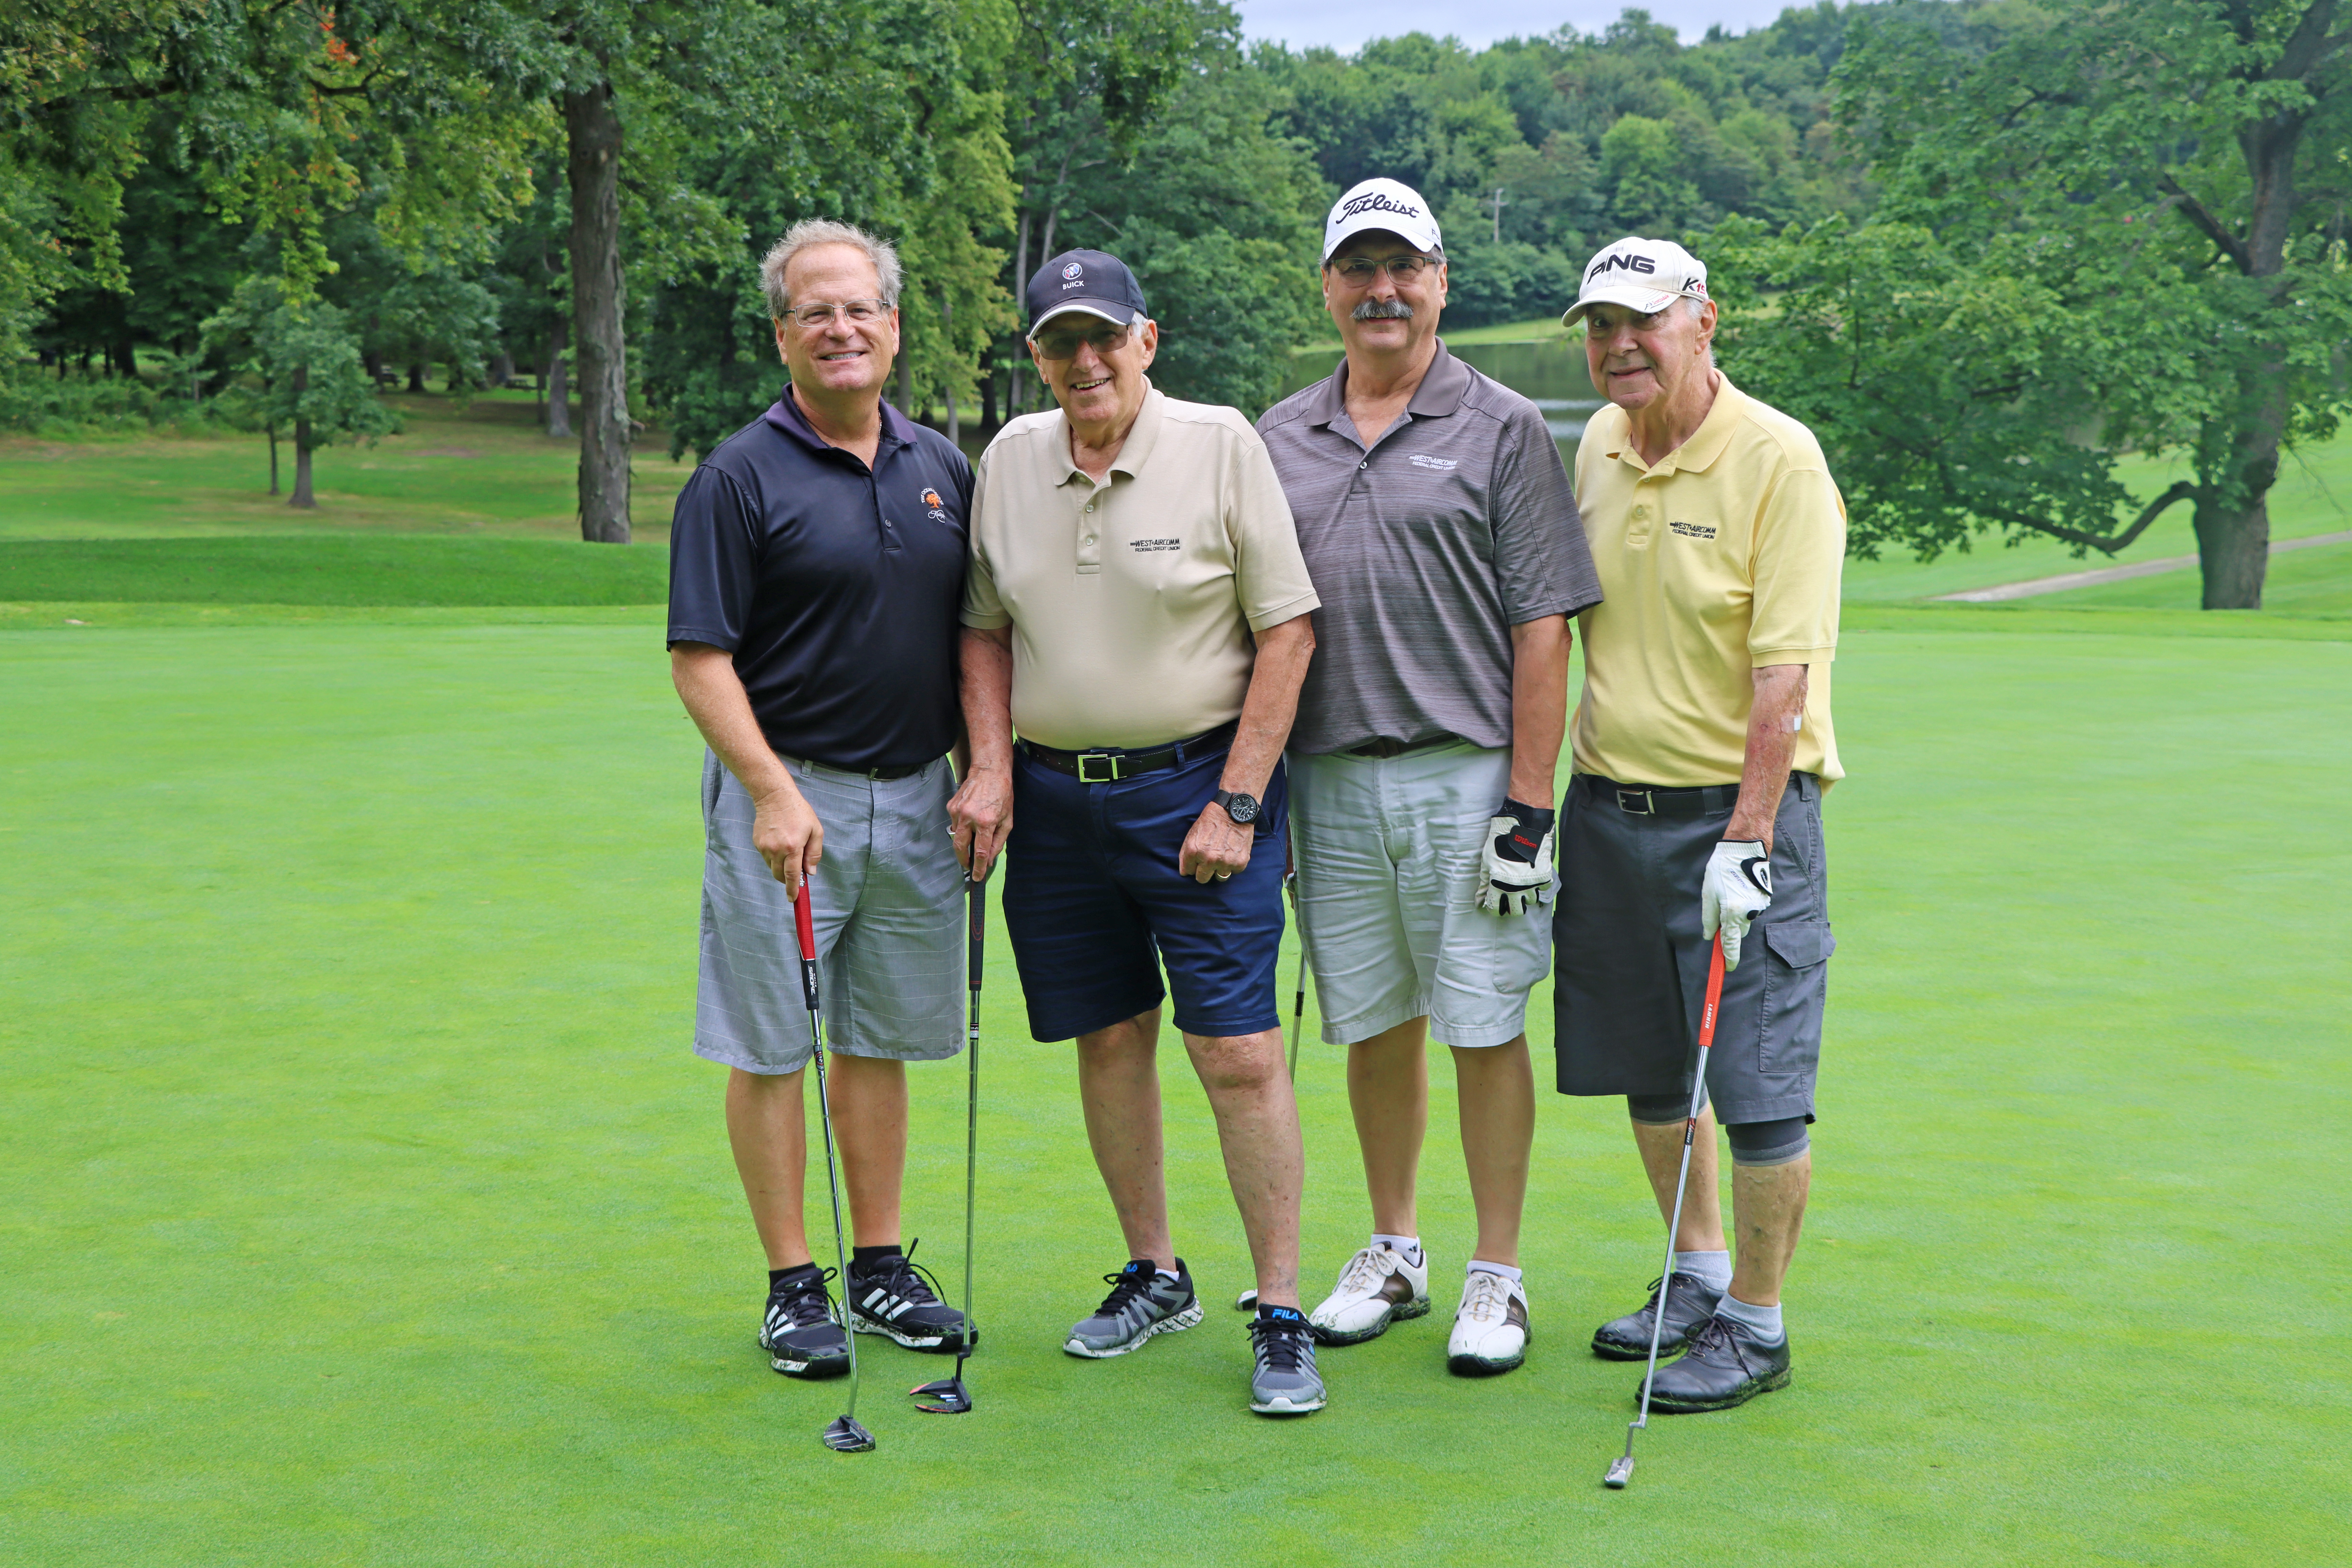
x: 1388, y: 1091
x: 869, y: 1125
x: 1767, y: 1207
x: 1257, y: 1128
x: 1661, y: 1156
x: 1119, y: 1084
x: 765, y: 1127
x: 1497, y: 1090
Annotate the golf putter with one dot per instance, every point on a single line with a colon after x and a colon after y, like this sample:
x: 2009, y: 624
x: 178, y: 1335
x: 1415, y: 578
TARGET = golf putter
x: 1247, y: 1301
x: 845, y: 1435
x: 948, y: 1395
x: 1621, y: 1468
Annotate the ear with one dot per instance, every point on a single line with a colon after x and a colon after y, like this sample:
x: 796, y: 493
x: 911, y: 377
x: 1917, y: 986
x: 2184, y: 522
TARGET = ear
x: 1150, y: 342
x: 781, y: 357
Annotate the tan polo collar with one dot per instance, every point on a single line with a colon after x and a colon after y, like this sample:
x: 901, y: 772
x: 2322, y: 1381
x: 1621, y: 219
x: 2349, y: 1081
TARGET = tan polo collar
x: 1704, y: 445
x: 1133, y: 452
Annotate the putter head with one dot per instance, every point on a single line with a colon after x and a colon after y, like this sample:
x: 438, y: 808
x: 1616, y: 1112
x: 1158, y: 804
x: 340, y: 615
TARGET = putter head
x: 948, y: 1396
x: 1247, y: 1301
x: 1620, y: 1470
x: 847, y: 1437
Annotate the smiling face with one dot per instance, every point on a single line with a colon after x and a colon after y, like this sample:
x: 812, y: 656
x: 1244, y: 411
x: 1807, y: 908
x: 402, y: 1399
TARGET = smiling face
x: 1376, y: 310
x: 843, y: 358
x: 1098, y: 389
x: 1644, y: 361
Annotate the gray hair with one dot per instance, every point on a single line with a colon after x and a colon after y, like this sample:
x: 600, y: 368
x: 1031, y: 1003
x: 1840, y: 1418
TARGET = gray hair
x: 811, y: 231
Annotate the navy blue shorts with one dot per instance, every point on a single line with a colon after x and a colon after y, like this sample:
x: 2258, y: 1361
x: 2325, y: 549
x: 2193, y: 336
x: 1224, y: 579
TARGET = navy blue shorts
x: 1094, y: 904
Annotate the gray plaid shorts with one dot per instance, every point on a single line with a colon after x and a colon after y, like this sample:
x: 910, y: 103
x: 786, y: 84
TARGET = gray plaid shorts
x: 887, y: 899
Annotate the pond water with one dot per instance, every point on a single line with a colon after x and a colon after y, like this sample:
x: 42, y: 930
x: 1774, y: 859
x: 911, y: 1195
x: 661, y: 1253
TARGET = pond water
x: 1551, y: 374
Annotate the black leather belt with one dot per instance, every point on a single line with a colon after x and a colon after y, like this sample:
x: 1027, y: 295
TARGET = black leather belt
x: 1384, y: 747
x: 1111, y: 766
x: 879, y: 774
x: 1646, y: 800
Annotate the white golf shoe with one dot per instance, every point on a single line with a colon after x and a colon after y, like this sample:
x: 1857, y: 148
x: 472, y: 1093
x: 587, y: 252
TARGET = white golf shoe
x: 1378, y: 1287
x: 1490, y: 1327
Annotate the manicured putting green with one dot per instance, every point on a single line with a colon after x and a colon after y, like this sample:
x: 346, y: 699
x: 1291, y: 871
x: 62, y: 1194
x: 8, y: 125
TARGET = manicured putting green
x: 364, y: 1206
x: 387, y: 569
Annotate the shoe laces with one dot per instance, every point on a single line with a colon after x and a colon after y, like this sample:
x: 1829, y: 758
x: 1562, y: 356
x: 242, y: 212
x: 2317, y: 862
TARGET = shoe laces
x: 803, y: 1301
x: 1367, y: 1271
x: 899, y: 1274
x: 1715, y: 1340
x: 1126, y: 1285
x: 1486, y: 1298
x: 1280, y: 1346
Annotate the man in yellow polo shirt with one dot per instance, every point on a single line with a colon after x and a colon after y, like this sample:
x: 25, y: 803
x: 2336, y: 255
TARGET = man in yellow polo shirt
x: 1702, y: 745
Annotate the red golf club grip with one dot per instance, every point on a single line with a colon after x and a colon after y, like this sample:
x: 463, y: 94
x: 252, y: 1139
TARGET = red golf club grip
x: 804, y: 925
x: 1714, y: 994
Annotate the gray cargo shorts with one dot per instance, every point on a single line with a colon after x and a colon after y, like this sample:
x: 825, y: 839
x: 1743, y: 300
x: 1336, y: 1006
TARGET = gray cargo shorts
x: 1631, y: 967
x: 887, y: 902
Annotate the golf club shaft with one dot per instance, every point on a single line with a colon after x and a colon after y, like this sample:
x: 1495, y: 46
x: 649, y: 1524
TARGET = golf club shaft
x: 977, y: 913
x: 1298, y: 1000
x: 1682, y: 1181
x: 806, y: 926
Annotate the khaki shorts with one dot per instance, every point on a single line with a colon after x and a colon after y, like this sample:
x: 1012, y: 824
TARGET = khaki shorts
x: 1390, y: 853
x: 888, y: 898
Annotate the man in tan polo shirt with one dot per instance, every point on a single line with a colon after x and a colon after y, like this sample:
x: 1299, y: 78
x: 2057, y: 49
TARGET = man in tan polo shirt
x: 1137, y: 610
x: 1702, y: 745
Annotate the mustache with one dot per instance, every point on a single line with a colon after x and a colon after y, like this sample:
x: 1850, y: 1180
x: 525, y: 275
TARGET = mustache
x: 1381, y: 311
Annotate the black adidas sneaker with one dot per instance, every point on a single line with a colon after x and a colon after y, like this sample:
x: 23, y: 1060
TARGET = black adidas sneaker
x: 893, y: 1296
x: 800, y: 1332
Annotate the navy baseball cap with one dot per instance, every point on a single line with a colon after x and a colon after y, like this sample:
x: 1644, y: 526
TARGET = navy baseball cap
x: 1091, y: 280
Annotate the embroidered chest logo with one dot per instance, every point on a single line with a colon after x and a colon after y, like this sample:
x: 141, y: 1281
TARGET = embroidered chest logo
x: 1693, y: 530
x: 1151, y: 546
x: 1420, y: 460
x: 938, y: 507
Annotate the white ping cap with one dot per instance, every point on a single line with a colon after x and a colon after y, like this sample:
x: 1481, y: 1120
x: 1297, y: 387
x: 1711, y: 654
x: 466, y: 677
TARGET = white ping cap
x: 1644, y: 276
x: 1389, y: 206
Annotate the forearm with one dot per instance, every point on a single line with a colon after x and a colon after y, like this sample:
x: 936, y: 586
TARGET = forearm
x: 1270, y: 706
x: 715, y: 699
x: 987, y: 691
x: 1780, y: 703
x: 1539, y: 705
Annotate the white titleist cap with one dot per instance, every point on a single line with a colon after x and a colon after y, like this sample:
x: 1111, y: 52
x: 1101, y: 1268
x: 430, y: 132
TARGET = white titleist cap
x: 1391, y: 206
x: 1642, y: 275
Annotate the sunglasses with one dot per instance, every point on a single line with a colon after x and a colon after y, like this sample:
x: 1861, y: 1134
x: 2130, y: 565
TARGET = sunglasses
x: 1063, y: 344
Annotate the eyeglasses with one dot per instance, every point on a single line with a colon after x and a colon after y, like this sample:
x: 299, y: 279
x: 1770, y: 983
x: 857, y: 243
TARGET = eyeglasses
x: 1357, y: 271
x: 1106, y: 339
x: 860, y: 312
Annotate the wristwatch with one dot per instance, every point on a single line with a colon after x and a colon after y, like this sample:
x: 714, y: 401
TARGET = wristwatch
x: 1242, y: 808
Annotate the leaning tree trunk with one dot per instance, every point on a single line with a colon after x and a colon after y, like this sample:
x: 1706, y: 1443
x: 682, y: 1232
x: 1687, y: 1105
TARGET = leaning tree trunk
x: 302, y: 496
x: 593, y: 129
x: 559, y: 409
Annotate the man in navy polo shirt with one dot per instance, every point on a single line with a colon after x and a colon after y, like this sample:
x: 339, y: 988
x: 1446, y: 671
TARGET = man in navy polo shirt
x: 816, y: 564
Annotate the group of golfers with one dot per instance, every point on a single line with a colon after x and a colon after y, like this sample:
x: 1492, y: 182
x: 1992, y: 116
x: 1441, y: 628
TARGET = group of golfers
x: 1157, y: 662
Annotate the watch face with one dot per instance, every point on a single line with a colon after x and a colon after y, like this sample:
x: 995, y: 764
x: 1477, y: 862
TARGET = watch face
x: 1242, y: 807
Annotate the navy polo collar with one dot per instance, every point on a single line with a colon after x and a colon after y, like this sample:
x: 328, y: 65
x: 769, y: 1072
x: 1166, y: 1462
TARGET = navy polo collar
x: 785, y: 414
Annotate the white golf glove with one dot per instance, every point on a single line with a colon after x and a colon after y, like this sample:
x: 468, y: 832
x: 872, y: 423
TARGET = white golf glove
x: 1739, y: 887
x: 1516, y: 870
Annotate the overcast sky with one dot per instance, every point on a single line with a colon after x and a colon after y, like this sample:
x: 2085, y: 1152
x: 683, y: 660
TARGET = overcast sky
x: 1346, y: 24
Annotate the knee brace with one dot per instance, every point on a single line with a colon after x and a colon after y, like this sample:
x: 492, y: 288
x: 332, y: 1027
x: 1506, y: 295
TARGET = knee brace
x: 1769, y: 1143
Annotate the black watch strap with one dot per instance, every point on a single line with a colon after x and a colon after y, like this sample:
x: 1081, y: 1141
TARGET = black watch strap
x: 1242, y: 808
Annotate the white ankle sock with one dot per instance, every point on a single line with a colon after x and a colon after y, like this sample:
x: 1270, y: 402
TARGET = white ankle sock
x: 1711, y: 1268
x: 1166, y: 1273
x: 1480, y: 1265
x: 1406, y: 1247
x: 1764, y: 1323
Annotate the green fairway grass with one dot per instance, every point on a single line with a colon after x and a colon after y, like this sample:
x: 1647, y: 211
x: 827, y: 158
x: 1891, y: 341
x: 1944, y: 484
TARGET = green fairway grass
x: 364, y: 1206
x: 360, y: 568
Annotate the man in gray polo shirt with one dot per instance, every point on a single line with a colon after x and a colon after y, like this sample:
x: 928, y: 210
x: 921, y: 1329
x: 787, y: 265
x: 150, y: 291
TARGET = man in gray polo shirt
x: 1442, y: 533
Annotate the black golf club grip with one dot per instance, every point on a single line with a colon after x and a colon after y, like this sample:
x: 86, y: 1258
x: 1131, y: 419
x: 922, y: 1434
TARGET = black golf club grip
x: 976, y: 924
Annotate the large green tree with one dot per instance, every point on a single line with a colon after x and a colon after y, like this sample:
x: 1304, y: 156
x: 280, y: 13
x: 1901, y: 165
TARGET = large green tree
x: 2106, y: 230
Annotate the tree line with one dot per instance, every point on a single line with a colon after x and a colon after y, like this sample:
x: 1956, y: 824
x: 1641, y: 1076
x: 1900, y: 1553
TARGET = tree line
x: 1988, y: 247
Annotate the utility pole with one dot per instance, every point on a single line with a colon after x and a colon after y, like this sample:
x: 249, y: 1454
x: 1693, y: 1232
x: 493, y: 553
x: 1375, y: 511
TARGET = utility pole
x: 1500, y: 201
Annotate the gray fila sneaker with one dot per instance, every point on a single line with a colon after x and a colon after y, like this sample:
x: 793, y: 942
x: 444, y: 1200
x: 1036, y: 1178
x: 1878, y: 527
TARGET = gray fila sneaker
x: 1283, y: 1382
x: 1141, y: 1304
x: 893, y: 1296
x: 1379, y: 1285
